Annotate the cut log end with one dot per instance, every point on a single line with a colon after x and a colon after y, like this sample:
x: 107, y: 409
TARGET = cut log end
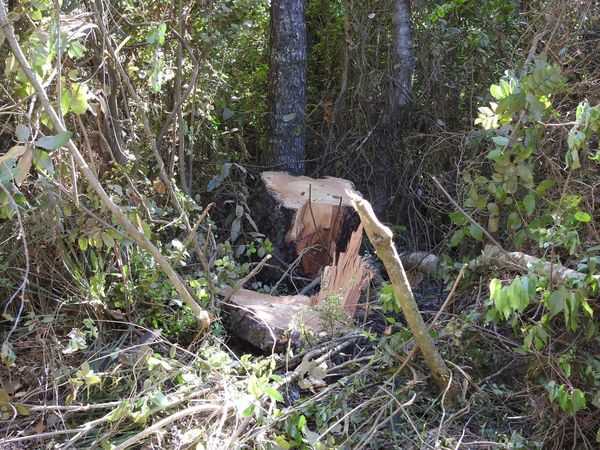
x: 320, y: 210
x: 270, y: 322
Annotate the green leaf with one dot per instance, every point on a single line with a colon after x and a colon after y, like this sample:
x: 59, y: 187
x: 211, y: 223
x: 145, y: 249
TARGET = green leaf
x: 273, y: 394
x: 301, y: 422
x: 495, y: 287
x: 578, y: 400
x: 582, y: 216
x: 476, y: 232
x: 458, y: 218
x: 500, y: 141
x: 157, y: 35
x: 83, y: 243
x: 544, y: 187
x: 493, y: 208
x: 8, y: 173
x: 529, y: 203
x: 457, y: 237
x: 108, y: 240
x: 79, y: 99
x: 160, y: 400
x: 557, y: 301
x: 289, y: 117
x: 227, y: 114
x: 22, y: 132
x: 76, y: 49
x: 42, y: 161
x: 513, y: 221
x: 586, y: 307
x: 248, y: 411
x: 53, y: 142
x: 496, y: 91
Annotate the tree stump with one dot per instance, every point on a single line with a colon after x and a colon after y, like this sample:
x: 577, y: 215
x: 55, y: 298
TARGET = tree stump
x: 311, y: 218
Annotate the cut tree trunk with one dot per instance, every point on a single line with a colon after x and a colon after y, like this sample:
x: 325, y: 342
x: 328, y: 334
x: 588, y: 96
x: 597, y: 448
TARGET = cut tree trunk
x: 270, y: 323
x: 311, y: 223
x: 305, y: 217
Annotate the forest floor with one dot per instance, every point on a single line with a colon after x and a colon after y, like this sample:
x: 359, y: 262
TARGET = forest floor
x: 360, y: 388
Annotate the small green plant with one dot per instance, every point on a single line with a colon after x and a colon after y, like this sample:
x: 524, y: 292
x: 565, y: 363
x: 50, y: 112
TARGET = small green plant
x: 332, y: 316
x: 388, y: 300
x: 78, y: 338
x: 84, y: 377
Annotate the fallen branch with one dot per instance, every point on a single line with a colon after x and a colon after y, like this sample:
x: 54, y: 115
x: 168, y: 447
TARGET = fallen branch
x: 493, y: 256
x: 137, y: 236
x: 381, y: 238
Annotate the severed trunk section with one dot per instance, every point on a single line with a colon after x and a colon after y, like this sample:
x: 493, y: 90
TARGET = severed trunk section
x: 268, y: 322
x: 306, y: 217
x: 287, y: 91
x: 347, y: 277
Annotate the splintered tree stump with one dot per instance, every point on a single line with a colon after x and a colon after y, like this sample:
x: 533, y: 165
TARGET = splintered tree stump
x: 346, y: 278
x: 306, y: 217
x: 269, y: 322
x: 312, y: 220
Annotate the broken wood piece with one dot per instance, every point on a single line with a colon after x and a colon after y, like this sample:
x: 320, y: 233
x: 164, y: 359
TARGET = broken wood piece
x: 310, y: 215
x: 269, y: 322
x: 493, y: 256
x: 347, y: 277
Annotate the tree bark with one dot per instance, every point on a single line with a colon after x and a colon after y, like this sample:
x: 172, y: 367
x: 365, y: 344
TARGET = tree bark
x: 287, y: 91
x: 403, y: 46
x: 387, y: 160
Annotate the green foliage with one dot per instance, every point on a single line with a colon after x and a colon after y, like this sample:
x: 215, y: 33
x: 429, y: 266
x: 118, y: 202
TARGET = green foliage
x: 388, y: 300
x: 515, y: 200
x: 331, y: 314
x: 570, y: 401
x: 511, y: 200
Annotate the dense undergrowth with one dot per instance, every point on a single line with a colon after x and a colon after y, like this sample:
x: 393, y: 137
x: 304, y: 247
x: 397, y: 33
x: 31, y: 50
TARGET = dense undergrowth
x: 100, y: 351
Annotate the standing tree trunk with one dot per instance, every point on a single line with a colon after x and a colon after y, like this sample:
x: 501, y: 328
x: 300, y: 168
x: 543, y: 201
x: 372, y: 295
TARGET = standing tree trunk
x: 287, y: 91
x: 390, y: 159
x: 403, y: 46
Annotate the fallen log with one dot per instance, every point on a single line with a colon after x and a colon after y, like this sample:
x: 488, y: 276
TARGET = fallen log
x: 494, y: 256
x: 310, y: 218
x: 424, y: 262
x: 269, y: 322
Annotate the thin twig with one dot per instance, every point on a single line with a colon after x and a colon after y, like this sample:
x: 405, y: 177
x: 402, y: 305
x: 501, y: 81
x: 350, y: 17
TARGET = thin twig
x: 166, y: 421
x: 244, y: 280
